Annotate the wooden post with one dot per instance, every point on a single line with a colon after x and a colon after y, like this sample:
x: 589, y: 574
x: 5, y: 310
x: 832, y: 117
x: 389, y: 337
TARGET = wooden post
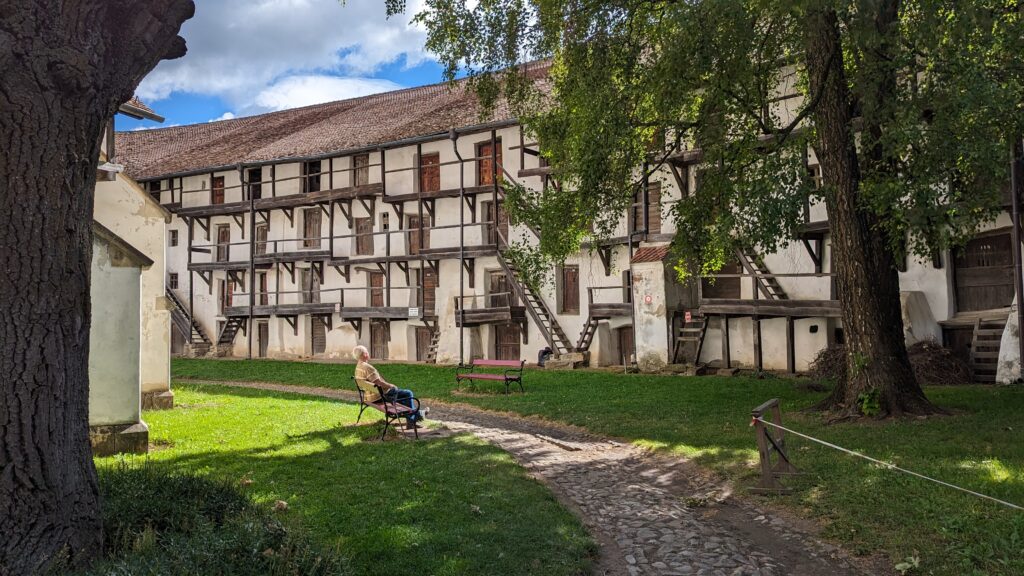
x: 790, y: 346
x: 1018, y: 275
x: 771, y: 440
x: 726, y: 358
x: 758, y: 364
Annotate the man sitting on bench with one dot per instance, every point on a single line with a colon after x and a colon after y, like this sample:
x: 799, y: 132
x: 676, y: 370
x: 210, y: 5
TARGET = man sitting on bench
x: 365, y: 372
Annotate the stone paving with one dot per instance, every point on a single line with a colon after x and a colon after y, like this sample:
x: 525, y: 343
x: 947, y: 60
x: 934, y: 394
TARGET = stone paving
x: 650, y: 514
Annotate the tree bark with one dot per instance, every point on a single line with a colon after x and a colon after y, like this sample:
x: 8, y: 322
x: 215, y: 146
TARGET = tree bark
x: 879, y: 374
x: 67, y: 66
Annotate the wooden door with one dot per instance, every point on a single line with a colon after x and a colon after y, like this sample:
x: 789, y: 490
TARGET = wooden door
x: 570, y: 289
x: 261, y: 239
x: 376, y: 289
x: 500, y: 291
x: 223, y: 242
x: 310, y: 287
x: 430, y: 172
x: 361, y: 168
x: 217, y: 190
x: 379, y: 340
x: 414, y: 234
x: 262, y: 339
x: 261, y: 282
x: 984, y: 273
x: 423, y: 337
x: 429, y: 287
x: 311, y: 219
x: 626, y: 350
x: 485, y: 168
x: 497, y: 230
x: 311, y: 176
x: 364, y: 236
x: 318, y: 335
x: 506, y: 341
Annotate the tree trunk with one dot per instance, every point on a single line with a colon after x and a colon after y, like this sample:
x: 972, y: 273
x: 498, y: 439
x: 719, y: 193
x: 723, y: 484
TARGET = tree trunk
x: 879, y: 376
x: 67, y: 66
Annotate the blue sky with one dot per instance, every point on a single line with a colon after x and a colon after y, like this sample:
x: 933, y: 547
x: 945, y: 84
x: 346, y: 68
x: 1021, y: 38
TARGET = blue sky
x: 253, y: 56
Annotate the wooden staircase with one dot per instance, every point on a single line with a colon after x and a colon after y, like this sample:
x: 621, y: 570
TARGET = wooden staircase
x: 587, y: 335
x: 690, y: 340
x: 768, y: 285
x: 227, y: 335
x: 193, y: 331
x: 435, y: 337
x: 985, y: 348
x: 537, y: 309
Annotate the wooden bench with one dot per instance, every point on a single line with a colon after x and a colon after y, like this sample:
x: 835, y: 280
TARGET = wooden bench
x: 513, y: 372
x: 392, y: 410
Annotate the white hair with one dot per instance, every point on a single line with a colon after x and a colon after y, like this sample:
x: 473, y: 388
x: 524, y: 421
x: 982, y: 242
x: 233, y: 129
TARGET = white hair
x: 359, y: 352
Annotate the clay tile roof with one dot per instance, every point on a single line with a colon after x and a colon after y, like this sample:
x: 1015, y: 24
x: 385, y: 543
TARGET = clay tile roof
x: 138, y: 109
x: 321, y: 129
x: 650, y: 254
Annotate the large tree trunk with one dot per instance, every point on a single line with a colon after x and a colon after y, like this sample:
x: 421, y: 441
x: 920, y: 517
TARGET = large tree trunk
x: 66, y: 68
x: 879, y: 374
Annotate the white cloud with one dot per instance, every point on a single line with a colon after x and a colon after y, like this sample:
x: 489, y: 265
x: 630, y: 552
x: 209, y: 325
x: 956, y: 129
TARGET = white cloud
x: 225, y: 116
x: 295, y: 91
x: 239, y: 50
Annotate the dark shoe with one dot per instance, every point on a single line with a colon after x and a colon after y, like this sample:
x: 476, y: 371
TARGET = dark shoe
x: 412, y: 426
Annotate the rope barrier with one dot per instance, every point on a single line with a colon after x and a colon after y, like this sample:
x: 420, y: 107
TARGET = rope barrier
x: 890, y: 465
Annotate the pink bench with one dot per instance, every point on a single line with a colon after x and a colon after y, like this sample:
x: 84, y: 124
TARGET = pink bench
x: 513, y: 372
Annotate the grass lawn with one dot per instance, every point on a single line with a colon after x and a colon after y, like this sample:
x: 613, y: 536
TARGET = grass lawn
x: 867, y: 507
x: 442, y: 506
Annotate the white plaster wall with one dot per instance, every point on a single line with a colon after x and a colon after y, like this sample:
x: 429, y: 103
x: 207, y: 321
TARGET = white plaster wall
x: 123, y: 207
x: 114, y: 339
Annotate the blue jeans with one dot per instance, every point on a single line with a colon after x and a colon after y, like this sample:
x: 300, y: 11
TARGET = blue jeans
x: 404, y: 397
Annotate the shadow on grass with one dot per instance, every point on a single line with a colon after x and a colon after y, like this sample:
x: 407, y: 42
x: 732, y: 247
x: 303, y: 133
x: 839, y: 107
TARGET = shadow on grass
x: 443, y: 506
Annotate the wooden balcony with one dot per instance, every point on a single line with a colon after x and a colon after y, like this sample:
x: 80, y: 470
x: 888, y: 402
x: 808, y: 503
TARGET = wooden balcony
x: 771, y: 308
x: 496, y: 315
x: 293, y: 256
x: 319, y: 197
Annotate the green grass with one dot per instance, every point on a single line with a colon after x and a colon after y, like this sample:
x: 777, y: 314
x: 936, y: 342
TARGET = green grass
x: 707, y: 419
x: 442, y: 506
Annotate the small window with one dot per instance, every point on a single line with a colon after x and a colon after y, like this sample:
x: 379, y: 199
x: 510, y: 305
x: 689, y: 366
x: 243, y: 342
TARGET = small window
x: 361, y: 167
x: 172, y: 281
x: 173, y: 238
x: 154, y: 189
x: 255, y: 176
x: 311, y: 176
x: 814, y: 173
x: 570, y: 289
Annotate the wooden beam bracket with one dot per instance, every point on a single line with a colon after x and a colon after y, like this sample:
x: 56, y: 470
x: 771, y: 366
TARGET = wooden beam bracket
x: 289, y: 212
x: 207, y: 276
x: 293, y: 322
x: 346, y: 210
x: 290, y: 267
x: 471, y: 204
x: 318, y: 269
x: 605, y: 252
x: 813, y: 248
x: 204, y: 223
x: 357, y: 325
x: 240, y: 220
x: 470, y: 265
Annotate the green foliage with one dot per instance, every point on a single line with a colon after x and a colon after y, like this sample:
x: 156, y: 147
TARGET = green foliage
x: 160, y: 521
x: 533, y: 265
x: 870, y: 402
x: 940, y: 92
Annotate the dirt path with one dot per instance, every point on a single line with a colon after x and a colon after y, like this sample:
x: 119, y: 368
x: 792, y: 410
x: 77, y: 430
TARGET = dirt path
x: 651, y: 514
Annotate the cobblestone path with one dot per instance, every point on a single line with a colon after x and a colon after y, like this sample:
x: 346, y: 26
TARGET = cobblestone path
x: 651, y: 514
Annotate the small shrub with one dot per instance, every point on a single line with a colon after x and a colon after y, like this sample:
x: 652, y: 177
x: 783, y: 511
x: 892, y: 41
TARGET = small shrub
x: 158, y: 521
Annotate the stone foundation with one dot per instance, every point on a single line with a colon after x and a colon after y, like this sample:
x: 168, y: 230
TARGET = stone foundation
x: 158, y: 400
x: 119, y: 439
